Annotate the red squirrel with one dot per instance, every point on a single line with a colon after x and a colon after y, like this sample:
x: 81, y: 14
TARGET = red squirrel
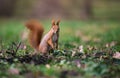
x: 49, y: 40
x: 56, y: 35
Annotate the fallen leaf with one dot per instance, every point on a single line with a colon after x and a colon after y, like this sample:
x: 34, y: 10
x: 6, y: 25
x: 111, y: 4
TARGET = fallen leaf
x: 13, y: 71
x: 116, y: 55
x: 81, y: 49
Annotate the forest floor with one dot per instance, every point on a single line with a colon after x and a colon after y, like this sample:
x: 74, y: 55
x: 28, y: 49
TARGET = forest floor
x: 87, y: 49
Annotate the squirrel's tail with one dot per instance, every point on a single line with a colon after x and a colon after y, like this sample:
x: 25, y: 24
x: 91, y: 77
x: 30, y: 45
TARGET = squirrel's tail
x: 35, y: 34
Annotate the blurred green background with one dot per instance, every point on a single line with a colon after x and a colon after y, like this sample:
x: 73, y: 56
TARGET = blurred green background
x: 68, y: 9
x: 92, y: 24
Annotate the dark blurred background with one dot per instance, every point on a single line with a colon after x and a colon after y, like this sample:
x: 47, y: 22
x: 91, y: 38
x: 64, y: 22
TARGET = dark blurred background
x: 67, y: 9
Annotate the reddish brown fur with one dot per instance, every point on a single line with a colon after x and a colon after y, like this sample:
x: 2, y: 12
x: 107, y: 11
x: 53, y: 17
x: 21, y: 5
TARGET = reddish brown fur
x: 36, y: 32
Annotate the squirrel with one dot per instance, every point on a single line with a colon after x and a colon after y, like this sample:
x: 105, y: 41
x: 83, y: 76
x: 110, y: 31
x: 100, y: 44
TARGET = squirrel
x: 39, y: 43
x: 56, y: 36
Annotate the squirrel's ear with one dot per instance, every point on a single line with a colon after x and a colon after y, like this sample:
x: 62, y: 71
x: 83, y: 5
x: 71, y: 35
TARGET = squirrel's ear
x: 58, y: 22
x: 53, y: 22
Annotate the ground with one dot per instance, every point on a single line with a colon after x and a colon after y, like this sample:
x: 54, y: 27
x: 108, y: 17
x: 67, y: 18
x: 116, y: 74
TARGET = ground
x: 86, y: 49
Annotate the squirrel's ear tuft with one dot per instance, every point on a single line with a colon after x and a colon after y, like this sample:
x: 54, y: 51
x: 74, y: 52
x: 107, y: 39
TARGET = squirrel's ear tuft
x: 53, y: 22
x: 58, y: 22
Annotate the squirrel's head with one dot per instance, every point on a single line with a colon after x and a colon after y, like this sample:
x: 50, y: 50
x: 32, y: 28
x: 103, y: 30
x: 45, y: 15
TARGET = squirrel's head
x: 55, y: 26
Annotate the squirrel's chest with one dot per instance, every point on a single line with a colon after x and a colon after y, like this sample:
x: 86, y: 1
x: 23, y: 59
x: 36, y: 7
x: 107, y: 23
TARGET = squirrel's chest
x: 55, y: 37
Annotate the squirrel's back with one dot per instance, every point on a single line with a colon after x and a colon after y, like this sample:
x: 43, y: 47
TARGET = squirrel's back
x: 36, y: 32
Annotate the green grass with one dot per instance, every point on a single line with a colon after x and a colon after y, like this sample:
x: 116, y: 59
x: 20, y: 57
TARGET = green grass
x: 91, y: 34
